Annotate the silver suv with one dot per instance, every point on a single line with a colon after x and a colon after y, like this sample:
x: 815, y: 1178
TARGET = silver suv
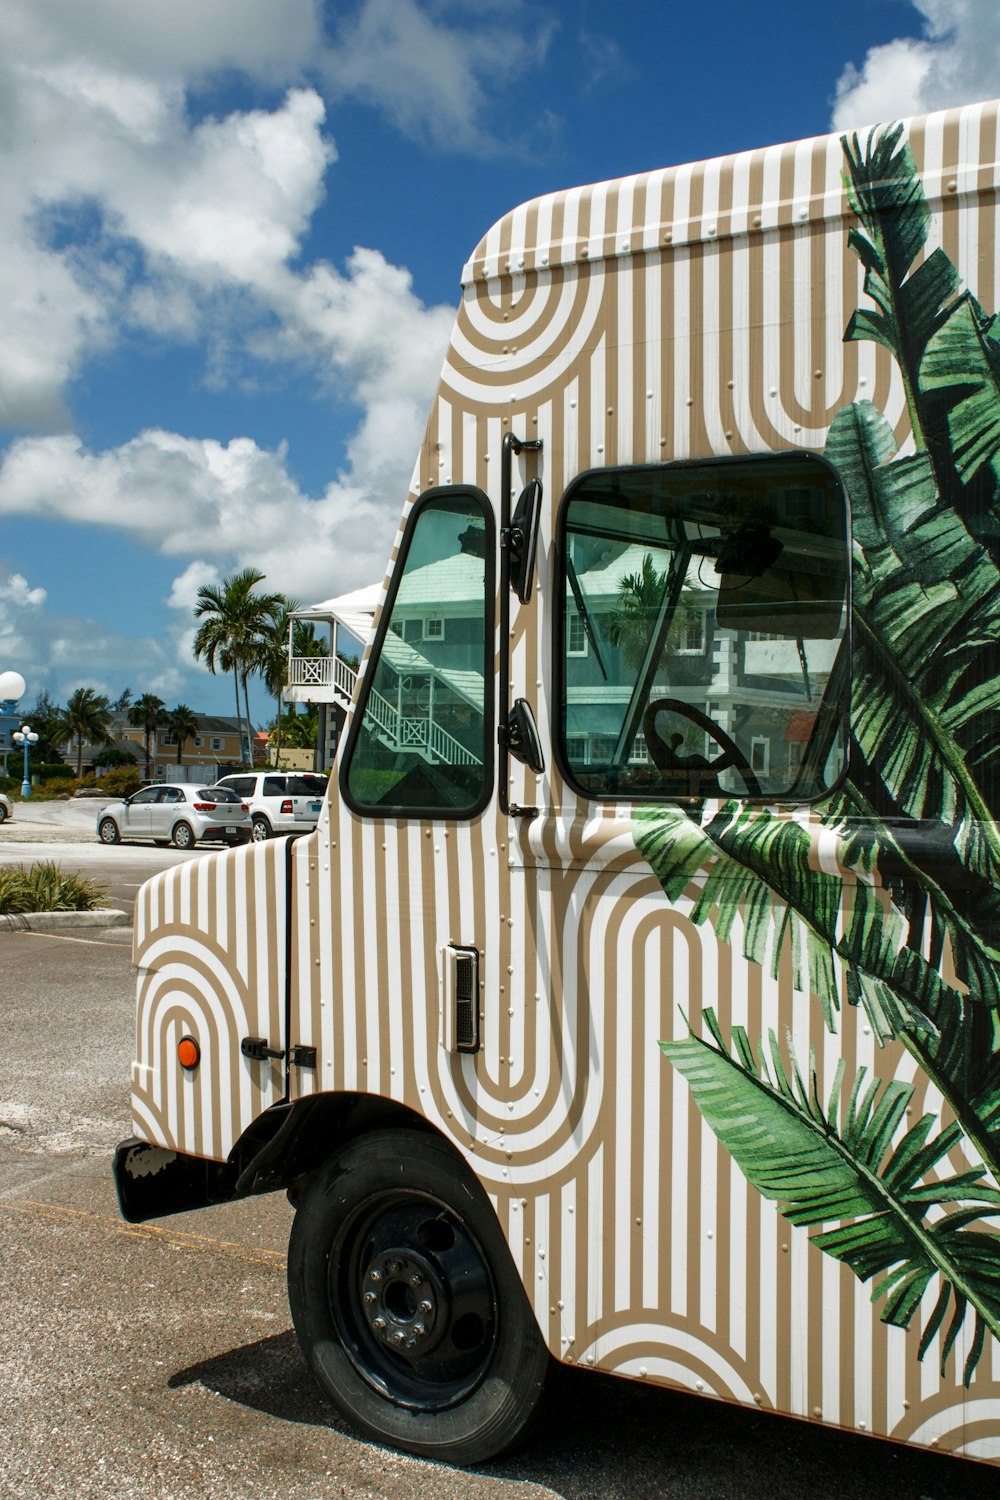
x: 181, y: 813
x: 279, y: 801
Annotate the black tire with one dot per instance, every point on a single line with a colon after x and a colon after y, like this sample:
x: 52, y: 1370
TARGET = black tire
x: 108, y: 832
x: 394, y: 1230
x: 261, y: 830
x: 183, y: 836
x: 3, y: 813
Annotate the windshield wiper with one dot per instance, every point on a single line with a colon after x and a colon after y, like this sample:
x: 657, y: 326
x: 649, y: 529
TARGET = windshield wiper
x: 653, y: 653
x: 584, y: 614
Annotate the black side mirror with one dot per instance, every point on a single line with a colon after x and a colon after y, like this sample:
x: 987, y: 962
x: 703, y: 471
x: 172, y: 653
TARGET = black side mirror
x: 523, y: 539
x: 522, y: 736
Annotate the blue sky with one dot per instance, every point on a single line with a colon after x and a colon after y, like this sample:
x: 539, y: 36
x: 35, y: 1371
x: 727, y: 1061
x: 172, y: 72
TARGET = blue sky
x: 230, y: 241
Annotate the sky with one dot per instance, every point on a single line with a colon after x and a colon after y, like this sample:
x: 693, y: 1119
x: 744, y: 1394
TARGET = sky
x: 231, y: 236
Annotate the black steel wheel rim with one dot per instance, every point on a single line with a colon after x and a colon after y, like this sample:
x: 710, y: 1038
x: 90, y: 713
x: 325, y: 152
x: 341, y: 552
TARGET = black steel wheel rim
x: 414, y: 1300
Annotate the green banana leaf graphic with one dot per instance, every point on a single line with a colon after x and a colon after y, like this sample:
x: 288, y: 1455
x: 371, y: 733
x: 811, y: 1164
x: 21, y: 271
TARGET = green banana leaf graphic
x: 915, y: 818
x: 820, y: 1169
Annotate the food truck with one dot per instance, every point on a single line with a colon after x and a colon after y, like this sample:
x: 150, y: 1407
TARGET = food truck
x: 635, y: 1003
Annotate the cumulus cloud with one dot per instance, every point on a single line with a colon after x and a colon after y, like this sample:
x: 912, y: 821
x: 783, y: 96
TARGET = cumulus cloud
x: 436, y: 70
x: 955, y: 60
x: 219, y: 505
x: 62, y: 652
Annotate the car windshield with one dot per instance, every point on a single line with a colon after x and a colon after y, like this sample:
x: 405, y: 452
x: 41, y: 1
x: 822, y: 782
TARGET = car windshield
x: 217, y: 794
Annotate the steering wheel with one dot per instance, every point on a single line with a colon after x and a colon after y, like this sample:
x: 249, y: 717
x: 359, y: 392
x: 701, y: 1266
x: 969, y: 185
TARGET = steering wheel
x: 699, y: 774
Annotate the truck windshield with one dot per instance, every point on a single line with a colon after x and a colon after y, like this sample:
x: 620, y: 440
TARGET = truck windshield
x: 704, y: 610
x: 422, y: 742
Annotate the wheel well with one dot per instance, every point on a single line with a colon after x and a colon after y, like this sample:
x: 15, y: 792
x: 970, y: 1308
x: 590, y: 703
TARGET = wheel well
x: 286, y: 1145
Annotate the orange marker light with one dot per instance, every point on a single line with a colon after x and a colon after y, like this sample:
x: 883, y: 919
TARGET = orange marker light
x: 188, y: 1052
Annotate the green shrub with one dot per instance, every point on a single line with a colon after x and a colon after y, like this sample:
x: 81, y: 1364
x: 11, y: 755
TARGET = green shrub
x: 44, y: 887
x: 121, y: 782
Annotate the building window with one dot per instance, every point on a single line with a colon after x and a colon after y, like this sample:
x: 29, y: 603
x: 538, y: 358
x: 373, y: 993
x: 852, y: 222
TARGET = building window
x: 197, y: 740
x: 216, y: 744
x: 576, y: 635
x: 670, y: 559
x: 691, y: 637
x: 168, y: 739
x: 434, y: 629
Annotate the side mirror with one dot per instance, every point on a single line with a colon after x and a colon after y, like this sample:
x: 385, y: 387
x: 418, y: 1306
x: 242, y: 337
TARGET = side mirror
x: 522, y: 539
x: 522, y: 736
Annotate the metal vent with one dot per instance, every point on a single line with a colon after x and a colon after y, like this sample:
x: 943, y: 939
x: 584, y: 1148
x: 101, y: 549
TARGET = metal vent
x: 461, y: 999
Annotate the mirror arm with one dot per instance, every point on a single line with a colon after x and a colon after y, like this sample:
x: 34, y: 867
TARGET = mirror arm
x: 509, y: 447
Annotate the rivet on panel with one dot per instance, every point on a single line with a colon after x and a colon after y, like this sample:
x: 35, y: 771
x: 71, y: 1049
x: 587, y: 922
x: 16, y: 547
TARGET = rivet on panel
x: 817, y: 1411
x: 818, y: 374
x: 642, y: 1371
x: 730, y: 384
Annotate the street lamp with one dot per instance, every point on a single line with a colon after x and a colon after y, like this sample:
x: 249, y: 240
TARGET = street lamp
x: 27, y: 737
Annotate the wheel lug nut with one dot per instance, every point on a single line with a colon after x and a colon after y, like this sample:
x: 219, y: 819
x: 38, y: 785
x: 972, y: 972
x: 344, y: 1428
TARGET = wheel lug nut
x: 416, y: 1279
x: 425, y: 1306
x: 375, y: 1275
x: 418, y: 1330
x: 370, y: 1297
x: 394, y: 1267
x: 379, y: 1324
x: 400, y: 1337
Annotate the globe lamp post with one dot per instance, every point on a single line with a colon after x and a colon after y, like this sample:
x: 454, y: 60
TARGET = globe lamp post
x: 27, y: 737
x: 11, y: 690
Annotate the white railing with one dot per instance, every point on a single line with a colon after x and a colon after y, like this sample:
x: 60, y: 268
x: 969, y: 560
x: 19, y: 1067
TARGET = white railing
x: 322, y: 672
x: 410, y: 732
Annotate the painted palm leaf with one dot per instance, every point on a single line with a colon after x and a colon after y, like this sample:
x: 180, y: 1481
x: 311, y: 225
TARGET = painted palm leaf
x: 761, y: 865
x: 884, y: 189
x: 899, y: 1224
x: 962, y: 364
x: 926, y: 604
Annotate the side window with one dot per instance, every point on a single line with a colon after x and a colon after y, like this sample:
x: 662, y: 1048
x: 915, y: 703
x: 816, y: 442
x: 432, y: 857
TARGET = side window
x: 420, y: 741
x: 713, y: 598
x: 273, y: 786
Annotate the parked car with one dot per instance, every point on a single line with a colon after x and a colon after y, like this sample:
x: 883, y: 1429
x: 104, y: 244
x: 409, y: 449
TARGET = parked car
x: 6, y: 807
x: 279, y: 801
x: 181, y: 813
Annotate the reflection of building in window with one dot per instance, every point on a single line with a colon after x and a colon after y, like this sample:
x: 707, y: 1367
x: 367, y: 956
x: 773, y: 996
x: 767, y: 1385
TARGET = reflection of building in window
x: 691, y: 640
x: 576, y: 635
x: 718, y: 590
x: 434, y: 630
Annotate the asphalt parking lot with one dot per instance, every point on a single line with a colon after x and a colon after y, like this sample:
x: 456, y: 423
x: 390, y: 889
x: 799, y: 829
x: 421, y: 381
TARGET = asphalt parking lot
x: 158, y: 1360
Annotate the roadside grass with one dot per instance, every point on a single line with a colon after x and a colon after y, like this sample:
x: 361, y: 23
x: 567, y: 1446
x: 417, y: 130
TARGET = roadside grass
x: 45, y: 887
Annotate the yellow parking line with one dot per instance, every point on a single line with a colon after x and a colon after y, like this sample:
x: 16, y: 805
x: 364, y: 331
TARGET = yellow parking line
x: 177, y: 1239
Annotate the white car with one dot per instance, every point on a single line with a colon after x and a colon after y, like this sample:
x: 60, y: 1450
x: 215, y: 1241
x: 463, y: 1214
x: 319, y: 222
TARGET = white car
x: 178, y: 813
x: 279, y: 801
x: 6, y: 807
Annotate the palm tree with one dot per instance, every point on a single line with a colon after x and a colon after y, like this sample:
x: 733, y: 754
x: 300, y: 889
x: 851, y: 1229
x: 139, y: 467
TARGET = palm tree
x: 234, y: 623
x: 182, y: 723
x: 147, y: 713
x: 273, y: 666
x: 87, y: 715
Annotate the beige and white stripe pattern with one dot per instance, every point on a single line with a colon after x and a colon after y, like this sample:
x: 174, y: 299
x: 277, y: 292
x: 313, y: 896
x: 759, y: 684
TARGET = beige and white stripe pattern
x: 688, y: 313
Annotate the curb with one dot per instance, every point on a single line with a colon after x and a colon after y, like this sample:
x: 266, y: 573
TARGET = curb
x: 62, y: 921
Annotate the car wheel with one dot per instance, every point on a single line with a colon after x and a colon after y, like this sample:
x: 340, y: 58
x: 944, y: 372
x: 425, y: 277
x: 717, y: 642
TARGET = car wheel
x: 183, y: 836
x: 261, y: 830
x: 108, y: 831
x: 406, y: 1302
x: 3, y: 813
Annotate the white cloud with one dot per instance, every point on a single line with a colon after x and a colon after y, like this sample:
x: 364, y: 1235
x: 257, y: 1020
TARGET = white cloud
x: 956, y: 60
x: 60, y: 651
x: 220, y: 505
x: 435, y: 77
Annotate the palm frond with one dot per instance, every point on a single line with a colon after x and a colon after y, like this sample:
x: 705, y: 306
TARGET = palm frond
x: 897, y: 1223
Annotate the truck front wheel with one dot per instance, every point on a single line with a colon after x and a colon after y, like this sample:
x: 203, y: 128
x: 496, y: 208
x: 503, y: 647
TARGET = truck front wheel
x: 406, y: 1302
